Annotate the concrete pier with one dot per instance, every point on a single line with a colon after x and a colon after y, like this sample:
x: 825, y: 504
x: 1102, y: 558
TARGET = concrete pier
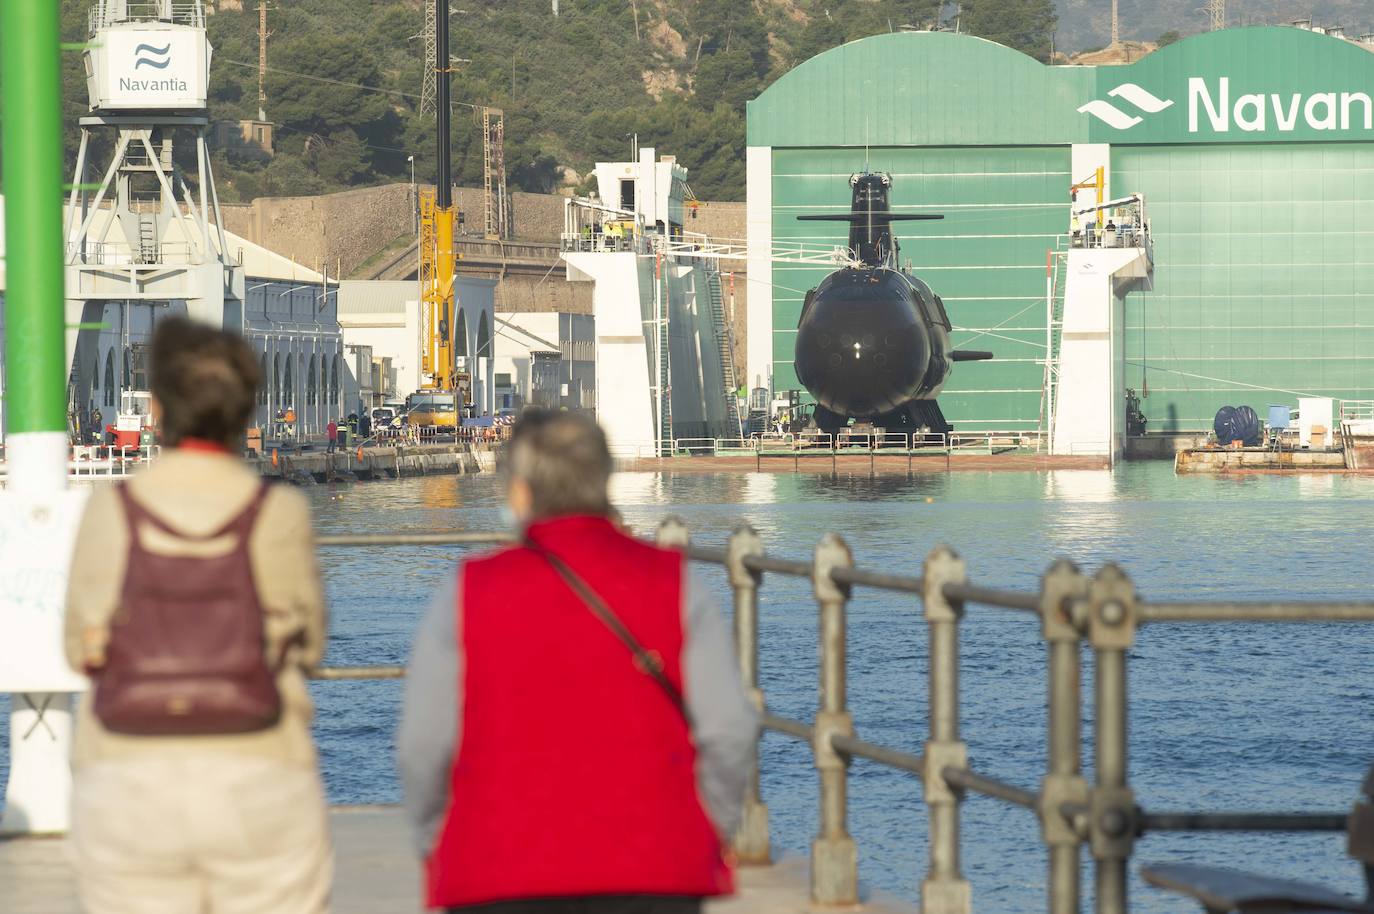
x: 1259, y: 459
x: 377, y: 462
x: 375, y: 874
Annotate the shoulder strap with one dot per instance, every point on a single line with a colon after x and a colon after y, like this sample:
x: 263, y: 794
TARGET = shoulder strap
x: 243, y: 523
x: 646, y: 661
x: 240, y: 523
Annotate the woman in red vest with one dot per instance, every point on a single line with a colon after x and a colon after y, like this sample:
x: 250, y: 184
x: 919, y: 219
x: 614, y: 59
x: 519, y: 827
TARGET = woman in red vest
x: 575, y: 735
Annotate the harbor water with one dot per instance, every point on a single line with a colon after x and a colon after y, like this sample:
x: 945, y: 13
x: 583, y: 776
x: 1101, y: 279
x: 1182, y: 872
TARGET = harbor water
x: 1223, y: 717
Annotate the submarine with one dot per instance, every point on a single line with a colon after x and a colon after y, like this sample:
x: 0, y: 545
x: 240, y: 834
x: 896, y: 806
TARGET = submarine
x: 873, y: 339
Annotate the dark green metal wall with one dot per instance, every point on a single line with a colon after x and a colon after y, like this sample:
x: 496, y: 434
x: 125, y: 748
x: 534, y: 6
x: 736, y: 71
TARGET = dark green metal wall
x: 1264, y: 277
x: 986, y: 259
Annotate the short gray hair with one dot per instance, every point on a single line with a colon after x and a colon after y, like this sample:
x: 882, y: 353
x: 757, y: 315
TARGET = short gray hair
x: 564, y: 460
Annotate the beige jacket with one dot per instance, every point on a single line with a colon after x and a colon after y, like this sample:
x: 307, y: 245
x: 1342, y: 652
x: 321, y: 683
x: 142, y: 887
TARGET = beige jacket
x: 199, y: 492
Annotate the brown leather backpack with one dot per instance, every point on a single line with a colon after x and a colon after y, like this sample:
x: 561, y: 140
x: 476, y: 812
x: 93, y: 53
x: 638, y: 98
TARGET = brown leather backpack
x: 187, y: 653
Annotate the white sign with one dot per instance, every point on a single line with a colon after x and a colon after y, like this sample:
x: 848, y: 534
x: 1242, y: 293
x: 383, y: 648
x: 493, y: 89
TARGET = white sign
x: 36, y: 539
x: 165, y: 68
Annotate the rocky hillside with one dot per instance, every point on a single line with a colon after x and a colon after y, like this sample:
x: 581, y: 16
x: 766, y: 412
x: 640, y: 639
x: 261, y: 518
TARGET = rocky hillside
x: 1085, y: 24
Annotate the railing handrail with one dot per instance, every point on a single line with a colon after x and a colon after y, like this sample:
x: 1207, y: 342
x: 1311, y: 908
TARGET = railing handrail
x: 1104, y: 611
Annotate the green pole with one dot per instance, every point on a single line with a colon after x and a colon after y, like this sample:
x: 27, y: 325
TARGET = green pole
x: 35, y: 348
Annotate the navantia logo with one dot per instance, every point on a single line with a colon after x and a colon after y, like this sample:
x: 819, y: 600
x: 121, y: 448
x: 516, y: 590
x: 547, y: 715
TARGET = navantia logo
x: 1255, y: 112
x: 1216, y: 106
x: 1113, y: 116
x: 147, y: 55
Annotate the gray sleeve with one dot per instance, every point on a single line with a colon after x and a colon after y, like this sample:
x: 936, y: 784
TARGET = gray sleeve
x: 724, y: 720
x: 430, y: 728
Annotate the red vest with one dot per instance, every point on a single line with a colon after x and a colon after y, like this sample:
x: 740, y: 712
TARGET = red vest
x: 575, y: 775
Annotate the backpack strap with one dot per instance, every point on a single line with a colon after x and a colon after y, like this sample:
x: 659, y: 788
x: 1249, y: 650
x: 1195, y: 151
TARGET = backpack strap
x: 241, y: 523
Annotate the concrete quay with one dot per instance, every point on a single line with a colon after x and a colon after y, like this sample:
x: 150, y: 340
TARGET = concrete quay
x: 1260, y: 460
x: 375, y: 874
x: 880, y: 463
x: 316, y: 466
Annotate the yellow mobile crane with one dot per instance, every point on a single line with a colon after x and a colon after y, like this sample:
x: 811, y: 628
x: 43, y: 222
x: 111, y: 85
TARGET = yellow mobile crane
x: 445, y: 390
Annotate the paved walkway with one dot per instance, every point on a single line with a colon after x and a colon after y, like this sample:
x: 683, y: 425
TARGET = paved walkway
x: 375, y: 875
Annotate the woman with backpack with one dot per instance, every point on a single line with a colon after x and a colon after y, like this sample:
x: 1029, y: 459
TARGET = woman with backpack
x: 195, y: 606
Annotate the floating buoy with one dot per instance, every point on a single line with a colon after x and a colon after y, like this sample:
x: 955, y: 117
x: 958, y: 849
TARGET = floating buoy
x: 360, y: 453
x: 275, y: 462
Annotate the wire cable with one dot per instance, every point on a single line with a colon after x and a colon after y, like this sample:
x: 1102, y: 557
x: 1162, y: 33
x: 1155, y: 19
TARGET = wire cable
x: 340, y: 82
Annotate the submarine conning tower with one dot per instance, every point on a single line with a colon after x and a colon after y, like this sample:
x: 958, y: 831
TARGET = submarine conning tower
x: 871, y: 240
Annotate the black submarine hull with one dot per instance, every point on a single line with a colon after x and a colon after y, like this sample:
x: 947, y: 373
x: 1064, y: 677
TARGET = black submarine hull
x: 871, y: 344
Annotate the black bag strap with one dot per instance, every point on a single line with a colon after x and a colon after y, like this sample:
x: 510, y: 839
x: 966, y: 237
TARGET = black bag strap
x: 648, y: 662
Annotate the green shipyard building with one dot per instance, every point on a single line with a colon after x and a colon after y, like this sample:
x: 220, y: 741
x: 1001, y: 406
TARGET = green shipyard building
x: 1253, y: 149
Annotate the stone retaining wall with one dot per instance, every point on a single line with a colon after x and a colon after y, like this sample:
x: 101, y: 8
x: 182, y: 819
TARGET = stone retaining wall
x: 378, y: 463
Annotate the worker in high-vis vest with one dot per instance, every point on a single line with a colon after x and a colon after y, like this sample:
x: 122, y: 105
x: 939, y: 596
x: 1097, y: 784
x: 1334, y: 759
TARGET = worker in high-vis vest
x: 575, y: 733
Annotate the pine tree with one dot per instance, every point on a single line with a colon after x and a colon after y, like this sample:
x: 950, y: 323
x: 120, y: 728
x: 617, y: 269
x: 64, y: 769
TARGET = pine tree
x: 1026, y: 25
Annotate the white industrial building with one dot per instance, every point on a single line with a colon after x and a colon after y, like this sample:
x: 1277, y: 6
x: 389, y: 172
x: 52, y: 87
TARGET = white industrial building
x: 664, y: 365
x: 381, y: 327
x: 288, y: 319
x: 525, y: 341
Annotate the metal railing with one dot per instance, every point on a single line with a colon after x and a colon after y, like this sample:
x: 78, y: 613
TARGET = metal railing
x: 99, y: 461
x: 112, y: 12
x: 1102, y: 612
x: 1356, y: 412
x: 844, y: 444
x: 603, y: 243
x: 119, y: 254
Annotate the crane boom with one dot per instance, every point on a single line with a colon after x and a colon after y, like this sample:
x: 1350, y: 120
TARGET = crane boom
x: 437, y: 217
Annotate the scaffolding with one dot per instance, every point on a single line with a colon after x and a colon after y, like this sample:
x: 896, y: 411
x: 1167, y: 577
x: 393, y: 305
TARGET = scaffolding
x: 496, y: 223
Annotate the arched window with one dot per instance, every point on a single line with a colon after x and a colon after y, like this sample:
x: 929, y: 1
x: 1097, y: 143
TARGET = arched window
x: 262, y: 381
x: 95, y: 375
x: 310, y: 384
x: 276, y: 379
x: 289, y: 383
x: 460, y: 335
x: 334, y: 383
x: 128, y: 370
x: 109, y: 378
x: 483, y: 338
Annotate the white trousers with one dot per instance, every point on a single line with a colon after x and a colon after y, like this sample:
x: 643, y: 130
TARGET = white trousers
x: 201, y: 834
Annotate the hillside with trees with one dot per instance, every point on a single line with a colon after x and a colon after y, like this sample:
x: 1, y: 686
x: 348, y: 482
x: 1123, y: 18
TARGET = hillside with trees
x: 345, y: 79
x: 1085, y: 24
x: 345, y: 76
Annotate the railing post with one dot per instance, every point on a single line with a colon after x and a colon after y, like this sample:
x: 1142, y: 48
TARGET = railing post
x: 672, y: 533
x: 751, y: 841
x: 1111, y: 810
x: 834, y: 856
x: 1060, y: 588
x: 944, y: 890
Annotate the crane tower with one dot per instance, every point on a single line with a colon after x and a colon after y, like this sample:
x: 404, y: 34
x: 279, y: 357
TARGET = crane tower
x: 1216, y: 14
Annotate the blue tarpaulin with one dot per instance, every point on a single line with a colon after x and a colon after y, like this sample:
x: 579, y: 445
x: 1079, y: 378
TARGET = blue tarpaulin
x: 1237, y: 423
